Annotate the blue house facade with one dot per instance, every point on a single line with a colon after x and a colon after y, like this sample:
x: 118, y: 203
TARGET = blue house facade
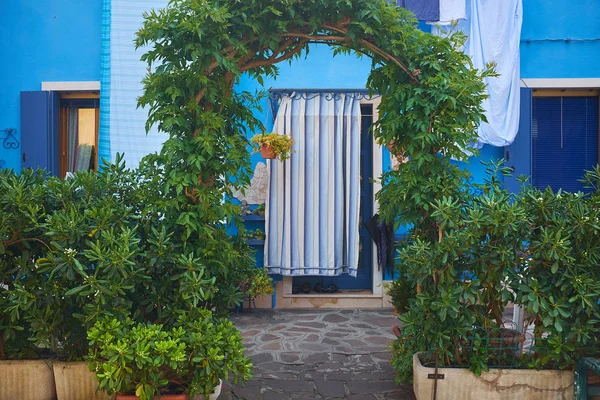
x: 70, y: 97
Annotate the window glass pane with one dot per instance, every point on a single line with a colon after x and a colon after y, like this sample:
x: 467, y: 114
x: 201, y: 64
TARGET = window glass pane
x: 87, y: 126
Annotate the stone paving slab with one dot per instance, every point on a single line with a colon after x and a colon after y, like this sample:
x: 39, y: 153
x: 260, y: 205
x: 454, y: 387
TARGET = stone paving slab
x: 318, y: 354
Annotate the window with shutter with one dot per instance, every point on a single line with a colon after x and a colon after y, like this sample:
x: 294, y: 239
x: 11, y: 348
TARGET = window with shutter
x: 564, y: 141
x: 59, y: 131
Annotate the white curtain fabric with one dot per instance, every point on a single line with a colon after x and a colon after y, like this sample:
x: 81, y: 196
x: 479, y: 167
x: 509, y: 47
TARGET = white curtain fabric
x: 313, y: 201
x: 72, y: 128
x: 127, y: 132
x: 494, y: 31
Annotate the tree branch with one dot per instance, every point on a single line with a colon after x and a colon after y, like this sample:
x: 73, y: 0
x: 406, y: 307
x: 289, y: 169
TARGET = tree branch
x: 377, y: 50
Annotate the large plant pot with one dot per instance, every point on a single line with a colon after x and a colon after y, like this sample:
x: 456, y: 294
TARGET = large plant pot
x: 74, y: 381
x: 213, y: 396
x: 27, y: 380
x: 497, y: 384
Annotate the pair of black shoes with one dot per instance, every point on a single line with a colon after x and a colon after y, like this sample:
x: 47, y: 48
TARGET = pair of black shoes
x: 319, y: 288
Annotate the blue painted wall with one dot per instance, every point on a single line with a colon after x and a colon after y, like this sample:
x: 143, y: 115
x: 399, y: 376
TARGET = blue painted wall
x: 49, y: 40
x: 559, y: 19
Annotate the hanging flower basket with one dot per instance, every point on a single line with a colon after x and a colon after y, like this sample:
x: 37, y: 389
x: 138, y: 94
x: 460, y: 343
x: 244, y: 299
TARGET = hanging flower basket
x: 274, y: 145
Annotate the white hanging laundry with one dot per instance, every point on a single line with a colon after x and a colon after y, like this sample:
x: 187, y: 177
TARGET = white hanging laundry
x: 495, y: 37
x: 452, y: 10
x: 494, y: 32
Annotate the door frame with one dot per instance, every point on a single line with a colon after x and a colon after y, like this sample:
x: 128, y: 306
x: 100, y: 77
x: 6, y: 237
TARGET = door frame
x: 376, y: 276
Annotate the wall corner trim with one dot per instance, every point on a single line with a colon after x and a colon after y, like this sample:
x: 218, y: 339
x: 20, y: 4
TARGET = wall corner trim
x: 71, y: 86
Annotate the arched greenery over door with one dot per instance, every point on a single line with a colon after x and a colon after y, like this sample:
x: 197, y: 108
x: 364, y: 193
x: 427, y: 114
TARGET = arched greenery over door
x: 430, y: 105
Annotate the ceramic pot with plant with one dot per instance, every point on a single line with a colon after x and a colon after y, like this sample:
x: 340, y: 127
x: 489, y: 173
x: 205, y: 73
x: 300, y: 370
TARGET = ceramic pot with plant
x: 274, y: 145
x: 257, y: 283
x: 261, y: 210
x: 146, y: 360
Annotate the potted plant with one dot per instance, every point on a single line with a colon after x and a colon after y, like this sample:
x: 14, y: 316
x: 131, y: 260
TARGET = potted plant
x: 71, y: 249
x: 25, y: 368
x: 261, y: 209
x: 258, y: 235
x: 140, y: 361
x: 274, y: 145
x: 491, y: 248
x: 400, y: 292
x: 256, y: 283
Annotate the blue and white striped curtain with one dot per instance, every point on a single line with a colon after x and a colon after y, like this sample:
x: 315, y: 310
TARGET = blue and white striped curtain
x: 313, y: 201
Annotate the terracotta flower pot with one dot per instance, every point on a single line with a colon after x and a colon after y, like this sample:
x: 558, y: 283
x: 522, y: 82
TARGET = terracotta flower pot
x: 267, y: 152
x: 183, y: 396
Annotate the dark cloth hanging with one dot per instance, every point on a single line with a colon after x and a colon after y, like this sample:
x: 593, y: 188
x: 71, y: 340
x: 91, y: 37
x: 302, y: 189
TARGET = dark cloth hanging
x: 424, y: 10
x: 383, y: 236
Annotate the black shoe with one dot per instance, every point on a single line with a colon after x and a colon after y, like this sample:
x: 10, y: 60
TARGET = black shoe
x: 331, y: 289
x: 306, y: 288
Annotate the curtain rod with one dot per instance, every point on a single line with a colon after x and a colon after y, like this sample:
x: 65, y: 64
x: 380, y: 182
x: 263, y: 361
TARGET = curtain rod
x: 322, y: 90
x: 276, y: 94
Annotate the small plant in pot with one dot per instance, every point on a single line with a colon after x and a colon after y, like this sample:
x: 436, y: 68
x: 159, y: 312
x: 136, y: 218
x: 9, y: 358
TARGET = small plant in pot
x: 138, y: 360
x: 274, y: 145
x: 257, y: 283
x: 400, y: 291
x: 261, y: 210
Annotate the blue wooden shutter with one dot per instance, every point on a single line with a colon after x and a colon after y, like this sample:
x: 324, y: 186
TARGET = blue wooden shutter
x: 564, y: 141
x: 39, y: 130
x: 518, y: 154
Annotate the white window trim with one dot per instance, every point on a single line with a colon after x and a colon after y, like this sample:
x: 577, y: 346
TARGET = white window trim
x: 72, y: 86
x: 560, y: 83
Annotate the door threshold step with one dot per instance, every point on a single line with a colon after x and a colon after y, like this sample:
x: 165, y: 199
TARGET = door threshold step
x: 353, y: 294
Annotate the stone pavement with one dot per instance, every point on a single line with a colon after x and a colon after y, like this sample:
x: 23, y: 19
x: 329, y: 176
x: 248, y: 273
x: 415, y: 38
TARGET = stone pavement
x: 318, y: 354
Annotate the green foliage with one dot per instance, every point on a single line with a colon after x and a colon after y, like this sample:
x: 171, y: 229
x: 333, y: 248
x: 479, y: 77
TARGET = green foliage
x: 536, y: 249
x: 280, y: 144
x: 430, y: 108
x: 400, y: 291
x: 430, y: 94
x: 73, y: 251
x: 257, y: 283
x: 258, y: 234
x: 148, y: 360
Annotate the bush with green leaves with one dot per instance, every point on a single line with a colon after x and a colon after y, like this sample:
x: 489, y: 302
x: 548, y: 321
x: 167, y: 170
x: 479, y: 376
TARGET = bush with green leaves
x: 149, y: 359
x: 400, y: 292
x: 75, y: 250
x: 558, y: 278
x: 536, y: 249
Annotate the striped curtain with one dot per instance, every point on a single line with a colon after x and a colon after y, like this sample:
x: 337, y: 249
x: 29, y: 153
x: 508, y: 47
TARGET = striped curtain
x: 313, y: 201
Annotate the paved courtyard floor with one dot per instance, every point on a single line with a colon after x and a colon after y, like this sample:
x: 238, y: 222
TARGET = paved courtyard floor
x: 318, y: 354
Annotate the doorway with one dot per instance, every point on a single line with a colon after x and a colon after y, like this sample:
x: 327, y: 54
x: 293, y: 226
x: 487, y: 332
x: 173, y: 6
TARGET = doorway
x: 364, y: 276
